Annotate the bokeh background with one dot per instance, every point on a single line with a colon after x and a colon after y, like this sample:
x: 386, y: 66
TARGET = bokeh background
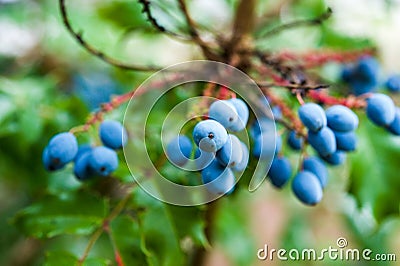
x: 49, y: 84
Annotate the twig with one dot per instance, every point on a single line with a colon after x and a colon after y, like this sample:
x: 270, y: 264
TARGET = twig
x: 147, y: 10
x: 208, y: 53
x: 91, y: 49
x: 114, y: 213
x: 298, y: 23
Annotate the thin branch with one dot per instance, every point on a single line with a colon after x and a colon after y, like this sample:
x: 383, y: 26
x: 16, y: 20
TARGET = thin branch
x: 298, y: 23
x: 147, y: 10
x: 91, y: 49
x: 208, y: 53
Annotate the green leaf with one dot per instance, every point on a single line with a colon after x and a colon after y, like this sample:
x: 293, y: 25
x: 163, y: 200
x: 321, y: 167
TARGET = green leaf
x: 126, y: 234
x: 77, y: 213
x: 61, y: 258
x: 163, y: 228
x: 374, y: 174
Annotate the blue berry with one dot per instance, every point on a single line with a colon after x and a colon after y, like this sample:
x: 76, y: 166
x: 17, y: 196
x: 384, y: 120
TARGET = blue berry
x: 336, y: 158
x: 318, y: 168
x: 380, y: 109
x: 341, y: 118
x: 264, y: 124
x: 103, y: 160
x: 346, y: 73
x: 218, y: 179
x: 346, y: 141
x: 82, y: 169
x: 241, y: 166
x: 393, y: 83
x: 295, y: 141
x: 323, y: 142
x: 179, y: 150
x: 82, y: 149
x: 231, y: 152
x: 50, y: 165
x: 113, y: 134
x: 394, y: 127
x: 362, y: 77
x: 209, y: 135
x: 280, y: 171
x: 61, y: 150
x: 313, y: 116
x: 224, y: 112
x: 203, y: 158
x: 307, y: 188
x: 263, y: 147
x: 243, y: 112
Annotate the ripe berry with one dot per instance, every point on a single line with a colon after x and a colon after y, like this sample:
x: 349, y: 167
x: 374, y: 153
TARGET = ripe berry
x: 245, y: 159
x: 307, y: 188
x: 318, y: 168
x: 103, y: 160
x: 393, y: 83
x: 264, y: 147
x: 341, y: 118
x: 323, y: 142
x: 346, y: 141
x: 313, y: 116
x: 364, y: 75
x: 243, y: 112
x: 218, y: 179
x: 336, y: 158
x: 264, y: 124
x: 280, y: 171
x: 209, y: 135
x: 294, y: 141
x: 113, y: 134
x: 179, y: 150
x: 394, y: 127
x: 82, y: 149
x: 231, y: 152
x: 224, y: 112
x: 203, y: 158
x: 61, y: 150
x: 82, y: 169
x: 380, y: 109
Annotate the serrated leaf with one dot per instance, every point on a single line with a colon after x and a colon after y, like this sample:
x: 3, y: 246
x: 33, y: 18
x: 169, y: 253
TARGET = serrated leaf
x: 77, y: 213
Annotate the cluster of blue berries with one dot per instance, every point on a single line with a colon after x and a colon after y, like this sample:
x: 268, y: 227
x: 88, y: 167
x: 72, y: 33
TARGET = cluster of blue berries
x: 219, y: 153
x: 363, y: 76
x: 88, y: 161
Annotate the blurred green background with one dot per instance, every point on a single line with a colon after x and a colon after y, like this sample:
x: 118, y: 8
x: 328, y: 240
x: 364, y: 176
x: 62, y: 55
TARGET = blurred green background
x: 49, y: 84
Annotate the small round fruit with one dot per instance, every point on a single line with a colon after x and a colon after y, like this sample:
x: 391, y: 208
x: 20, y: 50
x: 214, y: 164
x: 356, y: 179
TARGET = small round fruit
x: 341, y: 118
x: 179, y: 150
x: 82, y: 149
x: 381, y: 109
x: 394, y: 127
x: 218, y: 179
x: 336, y: 158
x: 323, y: 142
x: 313, y: 116
x: 346, y: 141
x: 241, y: 166
x: 263, y: 147
x: 113, y: 134
x: 209, y: 135
x: 295, y: 141
x: 307, y: 188
x: 318, y: 168
x: 61, y: 150
x: 280, y: 172
x: 103, y: 160
x: 224, y: 112
x: 82, y: 168
x: 50, y: 165
x: 203, y: 158
x: 393, y: 83
x: 231, y: 152
x: 243, y: 112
